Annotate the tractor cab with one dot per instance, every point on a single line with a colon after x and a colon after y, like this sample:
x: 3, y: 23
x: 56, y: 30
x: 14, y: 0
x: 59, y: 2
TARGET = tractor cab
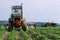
x: 16, y: 13
x: 16, y: 9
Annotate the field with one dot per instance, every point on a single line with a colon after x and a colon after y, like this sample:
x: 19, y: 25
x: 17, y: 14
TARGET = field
x: 40, y: 33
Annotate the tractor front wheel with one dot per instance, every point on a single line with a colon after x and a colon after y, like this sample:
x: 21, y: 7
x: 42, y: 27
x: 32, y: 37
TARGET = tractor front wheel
x: 10, y: 28
x: 24, y: 27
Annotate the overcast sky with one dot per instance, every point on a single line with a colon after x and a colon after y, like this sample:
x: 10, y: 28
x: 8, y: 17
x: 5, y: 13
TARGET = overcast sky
x: 34, y: 10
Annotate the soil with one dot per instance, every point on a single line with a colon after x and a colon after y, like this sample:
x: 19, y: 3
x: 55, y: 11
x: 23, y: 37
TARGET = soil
x: 4, y: 37
x: 18, y: 36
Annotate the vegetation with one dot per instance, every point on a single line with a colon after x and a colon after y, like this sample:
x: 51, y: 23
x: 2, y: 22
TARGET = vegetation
x: 24, y: 34
x: 2, y: 30
x: 40, y: 33
x: 12, y: 35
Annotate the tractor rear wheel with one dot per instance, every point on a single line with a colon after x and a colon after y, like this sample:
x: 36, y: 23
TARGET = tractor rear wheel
x: 24, y: 27
x: 10, y: 28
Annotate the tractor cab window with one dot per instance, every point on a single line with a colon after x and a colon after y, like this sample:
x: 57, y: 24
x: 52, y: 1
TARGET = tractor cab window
x: 16, y: 11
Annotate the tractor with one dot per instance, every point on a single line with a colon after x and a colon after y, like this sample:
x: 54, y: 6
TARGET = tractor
x: 16, y: 19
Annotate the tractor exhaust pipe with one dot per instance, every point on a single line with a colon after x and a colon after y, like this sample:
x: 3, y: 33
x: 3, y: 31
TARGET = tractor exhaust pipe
x: 21, y: 11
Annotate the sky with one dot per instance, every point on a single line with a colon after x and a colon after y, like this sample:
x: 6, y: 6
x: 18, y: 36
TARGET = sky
x: 34, y: 10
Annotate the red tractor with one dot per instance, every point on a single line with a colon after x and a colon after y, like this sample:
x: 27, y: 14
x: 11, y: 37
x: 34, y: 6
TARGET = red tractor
x: 16, y: 19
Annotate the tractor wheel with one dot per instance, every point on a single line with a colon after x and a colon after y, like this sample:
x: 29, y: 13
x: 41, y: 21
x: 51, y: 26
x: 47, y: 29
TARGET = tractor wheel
x: 24, y: 27
x: 10, y: 28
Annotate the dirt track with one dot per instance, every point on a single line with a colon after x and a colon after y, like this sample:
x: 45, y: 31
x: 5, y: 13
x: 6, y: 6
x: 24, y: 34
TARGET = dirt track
x: 18, y: 36
x: 4, y: 37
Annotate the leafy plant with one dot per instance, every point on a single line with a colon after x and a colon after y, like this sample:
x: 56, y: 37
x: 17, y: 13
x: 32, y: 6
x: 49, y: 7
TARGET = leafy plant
x: 12, y: 35
x: 24, y: 34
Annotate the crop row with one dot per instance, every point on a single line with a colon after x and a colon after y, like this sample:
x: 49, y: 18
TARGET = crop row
x: 38, y: 35
x: 25, y: 36
x: 50, y: 33
x: 2, y: 31
x: 12, y: 35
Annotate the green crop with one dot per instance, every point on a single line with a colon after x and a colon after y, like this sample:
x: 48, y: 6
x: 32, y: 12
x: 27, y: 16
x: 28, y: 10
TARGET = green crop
x: 12, y: 35
x: 38, y: 35
x: 2, y: 31
x: 24, y: 34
